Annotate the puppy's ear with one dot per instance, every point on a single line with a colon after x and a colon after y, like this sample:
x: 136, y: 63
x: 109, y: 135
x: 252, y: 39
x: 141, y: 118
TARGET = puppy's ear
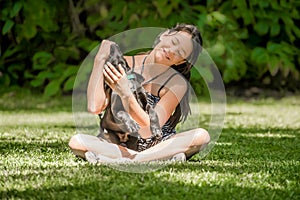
x: 139, y: 78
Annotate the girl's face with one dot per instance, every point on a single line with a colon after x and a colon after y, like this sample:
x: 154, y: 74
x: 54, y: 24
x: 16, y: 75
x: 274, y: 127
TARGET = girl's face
x: 173, y: 48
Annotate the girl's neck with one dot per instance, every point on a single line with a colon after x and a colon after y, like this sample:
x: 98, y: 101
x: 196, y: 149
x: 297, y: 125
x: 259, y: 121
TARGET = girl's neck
x: 145, y: 64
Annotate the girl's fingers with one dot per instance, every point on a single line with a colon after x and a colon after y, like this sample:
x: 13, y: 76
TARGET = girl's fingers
x: 108, y: 79
x: 113, y: 77
x: 114, y: 70
x: 121, y: 69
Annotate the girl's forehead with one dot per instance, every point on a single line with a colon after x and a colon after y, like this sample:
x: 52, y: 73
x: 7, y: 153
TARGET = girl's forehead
x: 182, y: 34
x: 185, y: 40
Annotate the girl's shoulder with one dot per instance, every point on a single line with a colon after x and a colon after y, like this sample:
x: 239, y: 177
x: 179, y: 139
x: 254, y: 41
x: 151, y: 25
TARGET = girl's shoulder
x: 129, y: 60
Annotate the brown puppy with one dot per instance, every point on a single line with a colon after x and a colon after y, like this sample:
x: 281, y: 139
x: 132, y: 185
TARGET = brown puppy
x: 116, y: 124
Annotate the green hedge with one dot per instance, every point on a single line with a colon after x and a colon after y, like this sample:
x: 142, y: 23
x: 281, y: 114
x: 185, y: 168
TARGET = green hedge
x: 44, y: 42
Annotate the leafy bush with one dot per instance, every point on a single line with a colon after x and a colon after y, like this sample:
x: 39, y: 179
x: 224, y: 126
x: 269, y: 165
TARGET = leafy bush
x: 44, y: 42
x: 249, y: 39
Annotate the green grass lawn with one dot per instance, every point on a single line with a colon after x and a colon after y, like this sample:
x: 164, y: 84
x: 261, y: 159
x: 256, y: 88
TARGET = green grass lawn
x: 257, y: 156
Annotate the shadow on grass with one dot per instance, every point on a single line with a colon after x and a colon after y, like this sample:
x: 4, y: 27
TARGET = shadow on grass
x: 26, y: 101
x: 33, y: 146
x: 239, y: 151
x: 90, y: 182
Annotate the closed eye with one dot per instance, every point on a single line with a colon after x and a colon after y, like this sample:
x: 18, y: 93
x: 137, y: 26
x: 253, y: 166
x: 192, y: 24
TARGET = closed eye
x: 181, y: 53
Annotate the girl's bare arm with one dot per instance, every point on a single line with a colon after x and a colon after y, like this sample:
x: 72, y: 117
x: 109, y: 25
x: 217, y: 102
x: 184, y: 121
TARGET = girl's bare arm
x: 96, y: 97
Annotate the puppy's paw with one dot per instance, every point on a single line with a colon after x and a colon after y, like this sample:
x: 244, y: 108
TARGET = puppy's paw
x: 130, y: 124
x: 157, y: 133
x: 136, y: 135
x: 134, y: 127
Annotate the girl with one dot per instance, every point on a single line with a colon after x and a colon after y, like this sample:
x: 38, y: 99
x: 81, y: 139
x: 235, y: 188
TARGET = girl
x: 166, y: 70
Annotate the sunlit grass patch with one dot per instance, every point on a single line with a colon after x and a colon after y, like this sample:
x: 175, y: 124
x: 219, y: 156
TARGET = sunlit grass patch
x: 256, y: 157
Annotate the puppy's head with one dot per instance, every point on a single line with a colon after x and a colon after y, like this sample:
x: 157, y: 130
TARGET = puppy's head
x: 116, y: 57
x: 124, y: 137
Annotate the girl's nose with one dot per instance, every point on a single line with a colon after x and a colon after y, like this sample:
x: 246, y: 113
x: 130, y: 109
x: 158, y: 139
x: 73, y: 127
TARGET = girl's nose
x: 174, y: 51
x: 170, y: 51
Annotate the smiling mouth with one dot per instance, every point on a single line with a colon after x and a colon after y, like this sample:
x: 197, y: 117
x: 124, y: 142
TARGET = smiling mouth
x: 166, y: 54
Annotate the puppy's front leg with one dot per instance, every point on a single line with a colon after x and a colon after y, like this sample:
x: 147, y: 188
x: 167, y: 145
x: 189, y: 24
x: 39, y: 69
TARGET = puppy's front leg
x: 154, y: 123
x: 131, y: 126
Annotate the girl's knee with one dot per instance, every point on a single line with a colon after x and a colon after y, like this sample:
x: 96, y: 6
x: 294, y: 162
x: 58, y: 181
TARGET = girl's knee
x: 201, y: 136
x: 76, y: 146
x: 74, y: 142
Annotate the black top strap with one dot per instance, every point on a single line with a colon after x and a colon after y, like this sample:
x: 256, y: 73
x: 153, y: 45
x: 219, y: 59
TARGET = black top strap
x: 163, y: 85
x: 133, y: 63
x: 143, y: 64
x: 155, y: 77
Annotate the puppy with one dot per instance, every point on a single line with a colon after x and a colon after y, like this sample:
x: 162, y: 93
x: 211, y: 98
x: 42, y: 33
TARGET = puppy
x: 119, y: 126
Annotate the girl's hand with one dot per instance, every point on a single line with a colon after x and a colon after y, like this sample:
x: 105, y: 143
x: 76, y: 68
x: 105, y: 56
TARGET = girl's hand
x: 117, y: 79
x: 104, y: 50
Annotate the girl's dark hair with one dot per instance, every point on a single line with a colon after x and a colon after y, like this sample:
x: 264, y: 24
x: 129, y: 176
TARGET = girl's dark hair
x: 183, y: 108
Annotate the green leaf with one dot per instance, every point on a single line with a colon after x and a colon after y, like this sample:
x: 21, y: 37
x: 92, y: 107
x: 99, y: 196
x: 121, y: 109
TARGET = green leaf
x: 285, y: 4
x: 64, y: 53
x: 274, y: 47
x: 274, y: 65
x: 71, y: 70
x: 103, y: 11
x: 217, y: 50
x: 14, y: 68
x: 248, y: 17
x: 241, y: 34
x: 5, y: 80
x: 231, y: 71
x: 29, y: 30
x: 41, y: 14
x: 16, y: 8
x: 69, y: 83
x: 287, y: 21
x: 7, y: 26
x: 11, y: 51
x: 275, y: 5
x: 87, y: 44
x: 275, y: 29
x: 259, y: 55
x: 296, y: 30
x: 41, y: 60
x: 262, y: 27
x: 45, y: 74
x: 263, y: 4
x: 287, y: 67
x: 4, y: 13
x: 201, y: 21
x: 36, y: 82
x: 52, y: 88
x: 65, y: 71
x: 288, y: 48
x: 28, y: 75
x: 163, y: 7
x: 219, y: 17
